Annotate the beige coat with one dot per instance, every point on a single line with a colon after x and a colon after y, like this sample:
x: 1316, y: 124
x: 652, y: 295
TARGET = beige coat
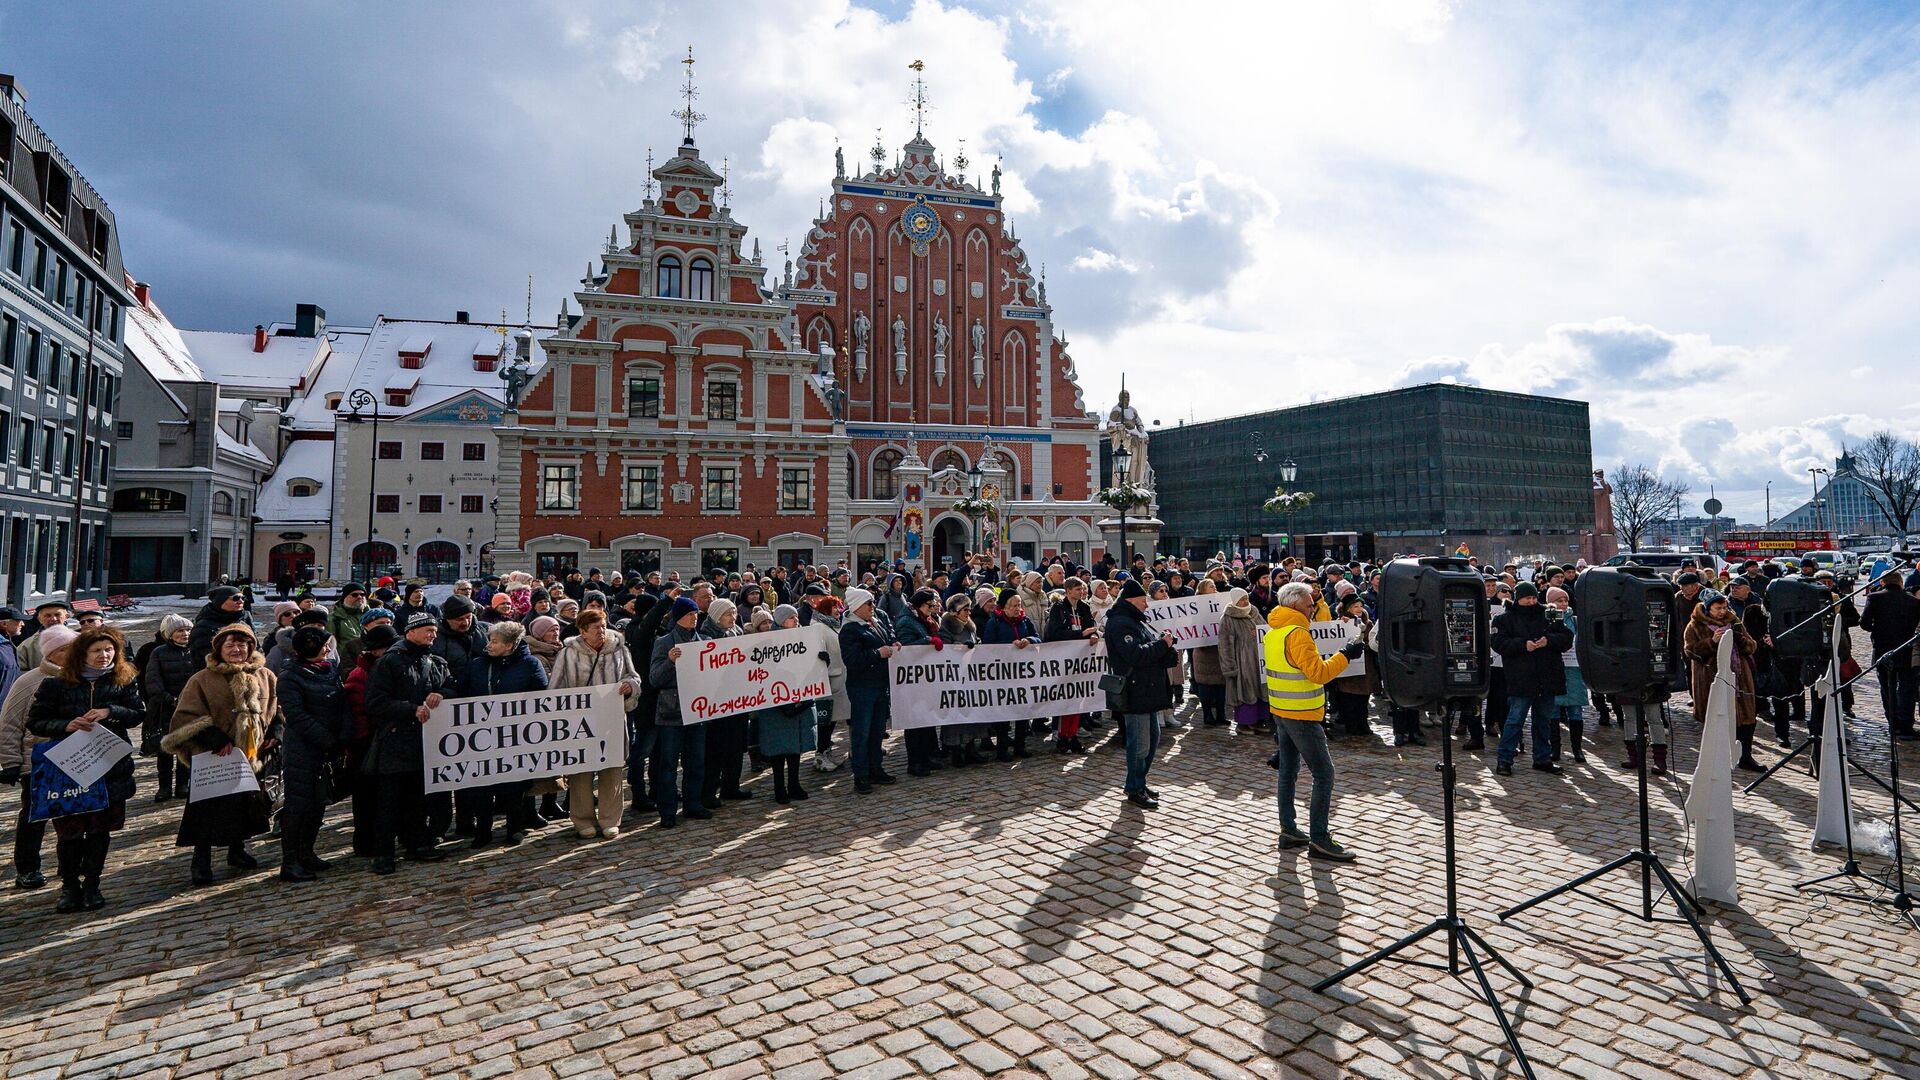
x: 209, y: 714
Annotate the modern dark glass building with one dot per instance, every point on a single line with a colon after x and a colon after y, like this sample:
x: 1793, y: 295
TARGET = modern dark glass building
x: 1420, y: 470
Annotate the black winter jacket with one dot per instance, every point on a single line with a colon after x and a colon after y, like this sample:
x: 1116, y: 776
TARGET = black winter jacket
x: 319, y: 723
x: 210, y: 621
x: 664, y: 678
x: 1541, y: 671
x: 58, y: 701
x: 1136, y: 654
x: 459, y: 648
x: 400, y: 684
x: 1068, y: 622
x: 860, y: 645
x: 1890, y: 620
x: 518, y: 672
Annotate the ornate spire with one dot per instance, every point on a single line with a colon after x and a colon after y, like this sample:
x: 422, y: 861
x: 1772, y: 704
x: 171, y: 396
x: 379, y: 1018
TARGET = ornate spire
x: 960, y: 161
x: 686, y: 114
x: 919, y: 99
x: 879, y: 151
x: 726, y: 182
x: 649, y: 187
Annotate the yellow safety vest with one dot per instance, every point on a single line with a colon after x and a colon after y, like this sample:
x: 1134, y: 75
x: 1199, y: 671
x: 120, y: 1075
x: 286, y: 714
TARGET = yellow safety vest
x: 1288, y: 688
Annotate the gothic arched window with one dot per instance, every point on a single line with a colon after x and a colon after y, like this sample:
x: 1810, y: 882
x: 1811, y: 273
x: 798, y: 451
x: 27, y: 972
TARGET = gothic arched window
x: 885, y: 485
x: 666, y: 278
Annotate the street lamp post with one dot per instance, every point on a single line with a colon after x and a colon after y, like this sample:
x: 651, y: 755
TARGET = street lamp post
x: 1120, y: 458
x: 1288, y: 470
x: 361, y: 399
x: 1769, y: 504
x: 973, y: 491
x: 1819, y: 520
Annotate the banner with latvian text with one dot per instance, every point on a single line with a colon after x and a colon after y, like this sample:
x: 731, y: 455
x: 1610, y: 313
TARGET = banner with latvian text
x: 1194, y: 621
x: 991, y: 683
x: 473, y: 742
x: 730, y: 676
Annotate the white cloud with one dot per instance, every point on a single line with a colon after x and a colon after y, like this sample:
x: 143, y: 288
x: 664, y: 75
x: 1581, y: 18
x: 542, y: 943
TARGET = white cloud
x: 1097, y: 261
x: 1057, y: 80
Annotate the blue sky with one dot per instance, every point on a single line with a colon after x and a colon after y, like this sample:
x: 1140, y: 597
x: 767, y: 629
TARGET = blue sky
x: 1699, y: 218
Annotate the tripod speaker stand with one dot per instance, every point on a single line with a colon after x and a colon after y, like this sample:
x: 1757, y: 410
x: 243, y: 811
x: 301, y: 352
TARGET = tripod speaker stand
x: 1650, y: 868
x: 1461, y: 938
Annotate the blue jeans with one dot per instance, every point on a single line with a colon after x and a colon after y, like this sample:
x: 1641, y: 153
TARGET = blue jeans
x: 1305, y: 740
x: 867, y: 728
x: 677, y: 748
x: 1142, y: 733
x: 1543, y: 711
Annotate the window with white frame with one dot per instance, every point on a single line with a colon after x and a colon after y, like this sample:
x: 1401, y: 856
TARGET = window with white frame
x: 723, y: 488
x: 723, y: 399
x: 666, y: 276
x: 796, y: 489
x: 643, y: 397
x: 700, y: 279
x: 643, y: 487
x: 559, y: 487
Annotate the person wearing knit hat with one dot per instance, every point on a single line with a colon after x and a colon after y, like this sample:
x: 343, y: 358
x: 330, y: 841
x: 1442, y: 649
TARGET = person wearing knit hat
x: 227, y: 707
x: 1526, y: 590
x: 1140, y: 657
x: 866, y: 641
x: 678, y: 768
x: 1530, y: 647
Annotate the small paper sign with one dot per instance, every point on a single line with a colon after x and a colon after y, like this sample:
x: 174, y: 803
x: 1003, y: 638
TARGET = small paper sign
x: 87, y: 755
x: 215, y: 775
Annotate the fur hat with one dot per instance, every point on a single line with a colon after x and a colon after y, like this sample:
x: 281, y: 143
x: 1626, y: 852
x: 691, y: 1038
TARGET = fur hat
x: 309, y: 642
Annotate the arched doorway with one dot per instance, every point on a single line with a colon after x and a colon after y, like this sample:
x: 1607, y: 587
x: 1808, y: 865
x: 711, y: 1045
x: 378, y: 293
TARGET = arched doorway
x: 372, y: 560
x: 950, y: 542
x: 289, y: 560
x: 438, y: 561
x: 486, y: 559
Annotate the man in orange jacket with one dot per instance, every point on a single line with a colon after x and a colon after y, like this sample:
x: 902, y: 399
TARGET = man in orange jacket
x: 1297, y: 681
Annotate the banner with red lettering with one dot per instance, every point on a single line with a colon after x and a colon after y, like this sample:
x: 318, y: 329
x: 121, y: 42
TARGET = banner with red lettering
x: 730, y: 676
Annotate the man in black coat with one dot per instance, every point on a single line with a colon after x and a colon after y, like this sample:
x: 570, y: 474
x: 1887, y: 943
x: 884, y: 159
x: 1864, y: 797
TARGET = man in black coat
x: 1891, y: 618
x: 407, y: 684
x: 642, y: 627
x: 679, y: 756
x: 1140, y: 656
x: 225, y: 606
x: 1530, y: 646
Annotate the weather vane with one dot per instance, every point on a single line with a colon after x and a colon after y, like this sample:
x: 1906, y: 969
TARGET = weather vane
x: 649, y: 188
x: 919, y: 101
x: 685, y: 114
x: 726, y: 182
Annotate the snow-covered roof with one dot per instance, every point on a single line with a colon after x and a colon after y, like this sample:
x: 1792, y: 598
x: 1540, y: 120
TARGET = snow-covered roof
x: 231, y: 445
x: 156, y: 343
x: 228, y: 359
x: 310, y: 459
x: 448, y: 371
x: 309, y: 411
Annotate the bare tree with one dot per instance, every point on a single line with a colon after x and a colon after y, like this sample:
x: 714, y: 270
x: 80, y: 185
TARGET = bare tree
x: 1890, y: 465
x: 1640, y: 498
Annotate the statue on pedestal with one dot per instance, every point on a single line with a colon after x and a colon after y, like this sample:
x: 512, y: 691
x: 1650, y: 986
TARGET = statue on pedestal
x: 1126, y: 429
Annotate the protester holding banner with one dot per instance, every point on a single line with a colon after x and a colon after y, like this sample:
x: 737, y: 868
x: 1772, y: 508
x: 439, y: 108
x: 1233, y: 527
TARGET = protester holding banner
x: 229, y: 706
x: 1070, y: 618
x: 597, y: 658
x: 1010, y: 626
x: 406, y: 685
x: 96, y: 685
x: 825, y: 609
x: 786, y: 731
x: 374, y: 644
x: 318, y: 722
x: 509, y: 667
x: 1351, y: 693
x: 1209, y: 677
x: 921, y: 627
x: 866, y: 641
x: 727, y: 736
x: 962, y: 741
x: 679, y: 754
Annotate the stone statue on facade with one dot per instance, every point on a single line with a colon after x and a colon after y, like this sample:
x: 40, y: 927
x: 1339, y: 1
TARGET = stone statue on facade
x: 1126, y: 429
x: 939, y: 336
x: 899, y: 348
x: 516, y: 376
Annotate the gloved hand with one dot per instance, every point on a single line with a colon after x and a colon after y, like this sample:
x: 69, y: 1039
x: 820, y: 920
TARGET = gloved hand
x: 10, y: 775
x: 824, y: 658
x: 938, y: 645
x: 1352, y: 649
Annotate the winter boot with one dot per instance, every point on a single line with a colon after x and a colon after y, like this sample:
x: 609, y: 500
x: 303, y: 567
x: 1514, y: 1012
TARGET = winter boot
x: 203, y: 864
x: 1659, y: 761
x: 95, y: 855
x: 71, y: 858
x: 1746, y: 762
x: 1633, y: 755
x: 239, y: 859
x: 550, y: 809
x: 780, y: 785
x: 792, y: 765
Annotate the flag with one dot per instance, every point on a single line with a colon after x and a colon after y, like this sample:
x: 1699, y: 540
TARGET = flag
x: 899, y: 507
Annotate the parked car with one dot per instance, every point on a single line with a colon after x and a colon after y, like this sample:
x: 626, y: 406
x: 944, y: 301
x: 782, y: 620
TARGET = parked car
x: 1664, y: 561
x: 1844, y: 564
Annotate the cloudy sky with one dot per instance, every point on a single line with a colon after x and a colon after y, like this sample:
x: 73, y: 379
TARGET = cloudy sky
x: 1701, y: 219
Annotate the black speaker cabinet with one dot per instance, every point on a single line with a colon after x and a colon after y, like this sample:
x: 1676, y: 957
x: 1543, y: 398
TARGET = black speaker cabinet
x: 1625, y: 636
x: 1800, y: 619
x: 1433, y: 631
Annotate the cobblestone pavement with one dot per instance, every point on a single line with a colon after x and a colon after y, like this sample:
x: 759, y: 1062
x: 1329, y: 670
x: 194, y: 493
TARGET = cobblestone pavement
x: 1005, y: 921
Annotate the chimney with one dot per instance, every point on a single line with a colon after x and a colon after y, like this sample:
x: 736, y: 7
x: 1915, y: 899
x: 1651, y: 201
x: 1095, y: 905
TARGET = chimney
x: 309, y: 320
x: 141, y: 291
x: 11, y: 88
x: 460, y: 316
x: 259, y: 338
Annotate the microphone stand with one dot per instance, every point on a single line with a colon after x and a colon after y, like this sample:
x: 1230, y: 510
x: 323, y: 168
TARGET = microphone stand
x: 1899, y: 898
x: 1461, y: 938
x: 1650, y: 867
x: 1833, y: 672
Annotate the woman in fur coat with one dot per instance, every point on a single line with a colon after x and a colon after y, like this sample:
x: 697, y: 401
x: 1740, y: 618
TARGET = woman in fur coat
x: 229, y: 707
x: 1712, y: 617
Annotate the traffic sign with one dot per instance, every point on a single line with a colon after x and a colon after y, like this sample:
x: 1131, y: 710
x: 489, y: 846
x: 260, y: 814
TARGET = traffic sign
x: 1712, y: 508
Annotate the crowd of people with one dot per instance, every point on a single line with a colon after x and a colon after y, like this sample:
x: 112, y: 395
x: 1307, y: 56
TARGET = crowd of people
x: 327, y: 703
